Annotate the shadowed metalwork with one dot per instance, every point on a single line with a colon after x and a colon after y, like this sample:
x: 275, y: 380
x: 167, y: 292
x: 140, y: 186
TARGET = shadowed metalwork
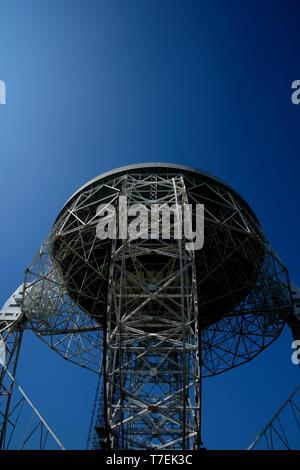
x: 150, y: 316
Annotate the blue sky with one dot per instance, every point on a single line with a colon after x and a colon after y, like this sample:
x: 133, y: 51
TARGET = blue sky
x: 94, y: 85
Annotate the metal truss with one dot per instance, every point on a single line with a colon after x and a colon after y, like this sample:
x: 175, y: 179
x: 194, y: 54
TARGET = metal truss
x: 10, y: 342
x: 154, y: 317
x: 151, y: 345
x: 283, y: 431
x: 56, y: 318
x: 17, y: 412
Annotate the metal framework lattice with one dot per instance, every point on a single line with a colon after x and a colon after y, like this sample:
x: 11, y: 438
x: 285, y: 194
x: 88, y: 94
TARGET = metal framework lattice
x: 15, y: 406
x: 283, y: 431
x: 149, y: 315
x: 162, y: 316
x: 11, y: 337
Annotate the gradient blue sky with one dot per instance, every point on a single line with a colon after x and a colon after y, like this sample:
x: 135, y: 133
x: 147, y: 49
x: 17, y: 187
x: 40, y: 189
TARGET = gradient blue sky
x: 94, y: 85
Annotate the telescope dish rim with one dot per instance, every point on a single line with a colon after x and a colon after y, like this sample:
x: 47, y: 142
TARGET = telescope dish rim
x: 163, y: 165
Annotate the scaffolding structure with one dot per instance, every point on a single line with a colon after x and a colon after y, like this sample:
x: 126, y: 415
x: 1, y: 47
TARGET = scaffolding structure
x: 148, y: 314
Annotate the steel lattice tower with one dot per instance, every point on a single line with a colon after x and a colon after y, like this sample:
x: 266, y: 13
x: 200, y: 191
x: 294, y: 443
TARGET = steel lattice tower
x: 149, y: 315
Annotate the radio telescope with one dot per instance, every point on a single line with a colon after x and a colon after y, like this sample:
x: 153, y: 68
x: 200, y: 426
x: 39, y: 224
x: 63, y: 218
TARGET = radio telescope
x: 149, y: 315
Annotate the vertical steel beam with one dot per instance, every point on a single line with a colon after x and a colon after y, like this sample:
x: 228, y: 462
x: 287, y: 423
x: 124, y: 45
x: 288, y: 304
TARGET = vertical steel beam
x: 151, y: 386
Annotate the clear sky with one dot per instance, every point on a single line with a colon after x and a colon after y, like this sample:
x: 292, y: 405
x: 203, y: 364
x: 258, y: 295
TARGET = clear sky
x: 94, y: 85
